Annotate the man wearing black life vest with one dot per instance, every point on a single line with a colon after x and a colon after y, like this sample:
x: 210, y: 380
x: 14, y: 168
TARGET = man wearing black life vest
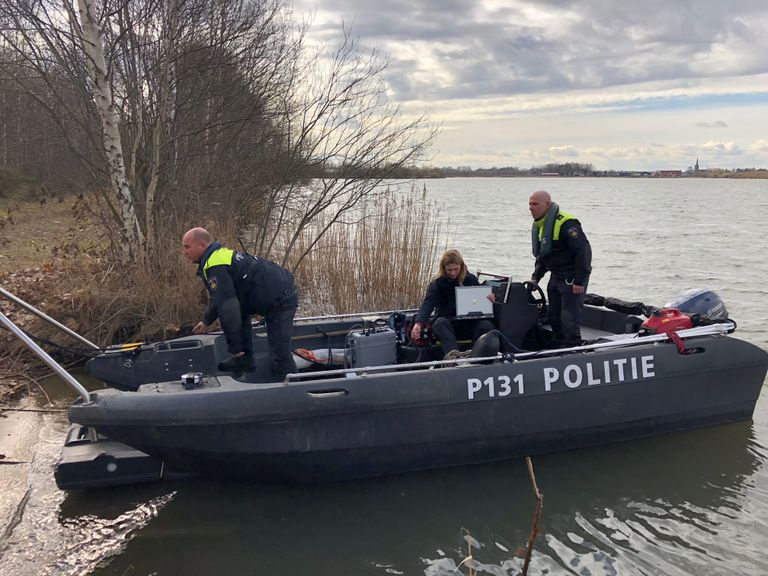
x: 562, y: 249
x: 240, y: 285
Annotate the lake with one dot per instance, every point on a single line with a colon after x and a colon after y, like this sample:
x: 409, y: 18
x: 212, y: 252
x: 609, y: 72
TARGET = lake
x: 688, y: 503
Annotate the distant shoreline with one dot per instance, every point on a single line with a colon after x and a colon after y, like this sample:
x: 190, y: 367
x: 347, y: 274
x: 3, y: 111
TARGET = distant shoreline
x: 572, y: 170
x: 761, y: 175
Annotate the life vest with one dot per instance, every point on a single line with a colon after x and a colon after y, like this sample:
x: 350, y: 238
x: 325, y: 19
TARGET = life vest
x: 560, y: 219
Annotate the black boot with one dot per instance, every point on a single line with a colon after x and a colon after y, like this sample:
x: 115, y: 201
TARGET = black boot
x: 238, y: 363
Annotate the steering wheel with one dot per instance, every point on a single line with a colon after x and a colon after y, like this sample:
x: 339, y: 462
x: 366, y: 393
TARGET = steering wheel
x: 536, y: 296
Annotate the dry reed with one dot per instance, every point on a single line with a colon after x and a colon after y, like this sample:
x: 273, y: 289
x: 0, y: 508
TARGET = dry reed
x: 381, y: 261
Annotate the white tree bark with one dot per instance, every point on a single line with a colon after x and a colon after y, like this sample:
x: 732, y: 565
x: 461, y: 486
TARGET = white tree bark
x: 110, y: 127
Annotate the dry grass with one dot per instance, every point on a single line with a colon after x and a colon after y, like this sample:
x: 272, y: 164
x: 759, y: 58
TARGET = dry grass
x: 37, y: 234
x: 383, y: 261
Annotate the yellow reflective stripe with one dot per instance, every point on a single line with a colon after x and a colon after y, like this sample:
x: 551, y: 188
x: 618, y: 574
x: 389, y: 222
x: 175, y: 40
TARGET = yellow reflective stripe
x: 222, y: 256
x: 562, y: 218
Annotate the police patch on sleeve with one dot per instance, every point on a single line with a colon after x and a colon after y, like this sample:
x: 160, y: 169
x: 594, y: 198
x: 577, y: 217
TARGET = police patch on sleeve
x: 212, y: 282
x: 573, y: 232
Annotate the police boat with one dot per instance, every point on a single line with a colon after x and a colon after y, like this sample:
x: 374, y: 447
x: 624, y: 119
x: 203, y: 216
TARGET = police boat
x: 393, y: 405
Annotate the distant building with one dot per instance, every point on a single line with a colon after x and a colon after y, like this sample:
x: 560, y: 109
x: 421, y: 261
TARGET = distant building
x: 696, y: 166
x: 668, y: 173
x: 550, y: 174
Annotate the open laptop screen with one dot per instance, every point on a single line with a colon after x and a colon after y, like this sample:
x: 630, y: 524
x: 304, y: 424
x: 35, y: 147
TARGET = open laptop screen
x: 472, y: 301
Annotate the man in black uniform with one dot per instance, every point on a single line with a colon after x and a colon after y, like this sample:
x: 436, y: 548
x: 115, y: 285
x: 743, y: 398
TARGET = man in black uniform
x: 562, y: 249
x: 240, y: 285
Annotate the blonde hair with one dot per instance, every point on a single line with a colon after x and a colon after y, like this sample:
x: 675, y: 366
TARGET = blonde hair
x: 453, y: 257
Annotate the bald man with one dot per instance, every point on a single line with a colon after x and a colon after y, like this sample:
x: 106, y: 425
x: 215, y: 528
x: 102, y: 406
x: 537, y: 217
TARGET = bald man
x: 240, y: 285
x: 562, y: 249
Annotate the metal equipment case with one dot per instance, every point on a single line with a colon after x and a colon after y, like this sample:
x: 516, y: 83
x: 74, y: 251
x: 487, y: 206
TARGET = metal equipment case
x: 373, y: 347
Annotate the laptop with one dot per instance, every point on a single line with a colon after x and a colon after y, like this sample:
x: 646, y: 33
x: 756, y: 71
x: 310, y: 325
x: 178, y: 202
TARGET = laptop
x: 472, y: 302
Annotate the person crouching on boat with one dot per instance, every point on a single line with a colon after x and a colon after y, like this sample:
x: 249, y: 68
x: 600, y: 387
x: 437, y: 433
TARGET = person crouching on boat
x: 441, y: 297
x: 240, y: 285
x: 562, y: 249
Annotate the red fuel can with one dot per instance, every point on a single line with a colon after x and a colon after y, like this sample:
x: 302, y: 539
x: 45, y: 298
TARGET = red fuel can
x: 666, y: 320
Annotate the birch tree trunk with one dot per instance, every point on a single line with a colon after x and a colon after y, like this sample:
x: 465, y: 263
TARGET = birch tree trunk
x: 110, y: 128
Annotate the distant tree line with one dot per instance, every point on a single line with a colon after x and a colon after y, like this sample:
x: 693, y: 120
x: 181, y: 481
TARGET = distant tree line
x: 569, y: 169
x: 553, y: 169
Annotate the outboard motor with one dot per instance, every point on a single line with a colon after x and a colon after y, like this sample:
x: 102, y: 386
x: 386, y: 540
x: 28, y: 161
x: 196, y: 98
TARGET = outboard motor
x: 691, y: 308
x: 706, y: 303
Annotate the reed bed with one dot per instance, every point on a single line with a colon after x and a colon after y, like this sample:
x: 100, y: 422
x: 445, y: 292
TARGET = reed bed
x: 383, y: 260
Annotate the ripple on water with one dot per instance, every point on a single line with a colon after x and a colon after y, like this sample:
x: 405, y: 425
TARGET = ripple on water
x: 45, y: 543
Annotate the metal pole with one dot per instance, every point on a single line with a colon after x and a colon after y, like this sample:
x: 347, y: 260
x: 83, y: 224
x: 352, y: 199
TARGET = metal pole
x: 47, y: 318
x: 355, y: 315
x: 55, y: 366
x: 711, y: 330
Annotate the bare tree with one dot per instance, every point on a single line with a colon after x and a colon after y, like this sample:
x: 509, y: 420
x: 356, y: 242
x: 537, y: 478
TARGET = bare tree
x: 179, y: 89
x: 210, y: 112
x: 343, y: 138
x: 101, y: 86
x: 30, y: 141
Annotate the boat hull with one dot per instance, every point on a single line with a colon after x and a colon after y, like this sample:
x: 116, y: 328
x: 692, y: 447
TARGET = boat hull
x: 383, y: 423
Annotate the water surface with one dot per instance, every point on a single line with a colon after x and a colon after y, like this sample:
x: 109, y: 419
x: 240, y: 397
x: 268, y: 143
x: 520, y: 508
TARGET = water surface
x: 688, y: 503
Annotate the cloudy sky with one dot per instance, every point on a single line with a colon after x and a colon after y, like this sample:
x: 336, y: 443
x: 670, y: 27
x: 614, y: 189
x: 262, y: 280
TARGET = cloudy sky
x: 621, y: 84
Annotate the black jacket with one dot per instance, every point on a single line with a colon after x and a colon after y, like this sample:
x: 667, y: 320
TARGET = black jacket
x: 571, y: 256
x: 246, y: 286
x: 441, y: 296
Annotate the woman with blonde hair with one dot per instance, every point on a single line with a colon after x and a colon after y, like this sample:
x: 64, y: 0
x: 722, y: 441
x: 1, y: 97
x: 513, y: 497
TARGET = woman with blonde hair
x: 441, y: 298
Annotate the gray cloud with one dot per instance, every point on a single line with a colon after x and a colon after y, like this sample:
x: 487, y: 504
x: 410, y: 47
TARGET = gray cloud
x: 529, y: 46
x: 563, y: 151
x: 715, y: 124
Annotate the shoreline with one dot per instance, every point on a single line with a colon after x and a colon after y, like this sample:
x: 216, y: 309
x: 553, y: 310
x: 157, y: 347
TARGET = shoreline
x: 19, y: 431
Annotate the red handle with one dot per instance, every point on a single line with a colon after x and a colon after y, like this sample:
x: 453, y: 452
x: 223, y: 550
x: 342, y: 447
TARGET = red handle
x: 670, y: 312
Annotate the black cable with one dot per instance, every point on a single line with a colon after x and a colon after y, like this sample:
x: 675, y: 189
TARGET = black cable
x: 40, y: 410
x: 328, y: 361
x: 514, y: 348
x: 79, y: 351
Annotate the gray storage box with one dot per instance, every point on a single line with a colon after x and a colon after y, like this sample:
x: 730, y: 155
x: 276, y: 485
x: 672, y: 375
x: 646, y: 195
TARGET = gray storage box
x: 375, y: 347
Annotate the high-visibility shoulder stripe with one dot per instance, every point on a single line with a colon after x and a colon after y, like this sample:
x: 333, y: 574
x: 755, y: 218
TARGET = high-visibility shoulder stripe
x: 220, y: 257
x: 561, y: 219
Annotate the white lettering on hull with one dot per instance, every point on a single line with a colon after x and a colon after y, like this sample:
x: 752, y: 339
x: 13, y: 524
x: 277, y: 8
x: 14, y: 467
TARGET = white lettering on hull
x: 572, y: 377
x: 497, y: 387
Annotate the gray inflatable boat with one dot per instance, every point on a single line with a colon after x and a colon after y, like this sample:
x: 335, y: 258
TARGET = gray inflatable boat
x: 367, y: 401
x: 392, y: 407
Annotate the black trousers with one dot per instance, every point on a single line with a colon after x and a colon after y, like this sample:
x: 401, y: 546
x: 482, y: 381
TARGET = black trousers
x: 446, y: 330
x: 565, y: 311
x: 279, y: 321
